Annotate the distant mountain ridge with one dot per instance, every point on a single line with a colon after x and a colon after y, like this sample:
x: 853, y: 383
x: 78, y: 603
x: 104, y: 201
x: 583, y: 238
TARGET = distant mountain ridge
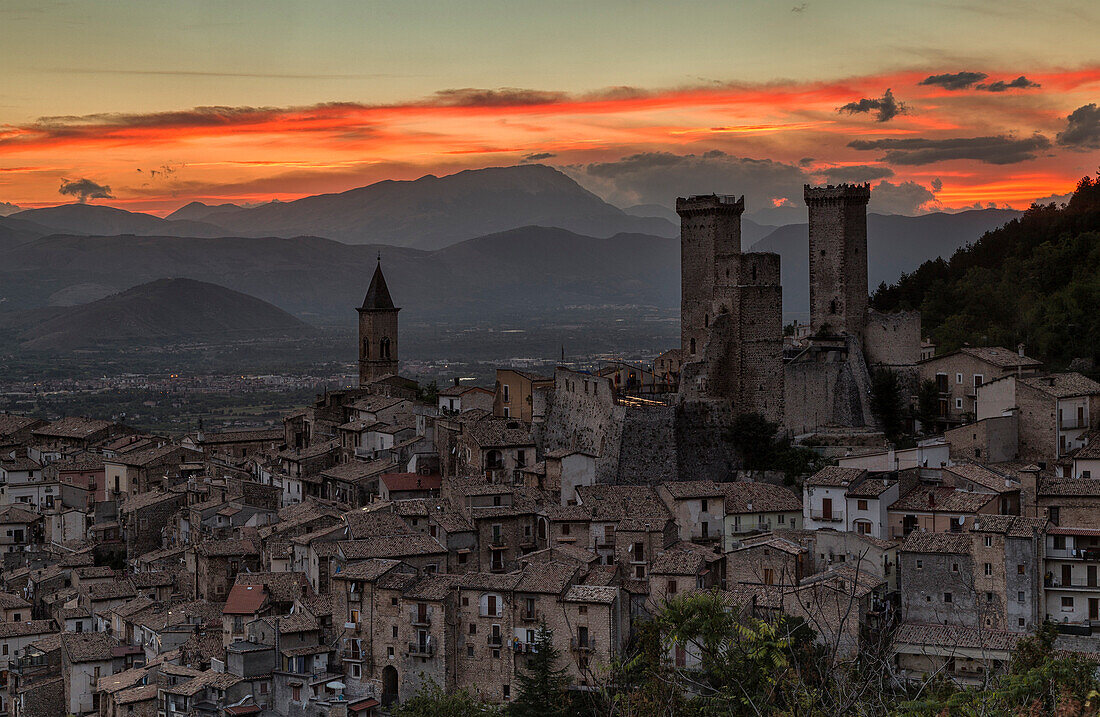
x: 162, y: 311
x: 434, y: 212
x: 94, y: 220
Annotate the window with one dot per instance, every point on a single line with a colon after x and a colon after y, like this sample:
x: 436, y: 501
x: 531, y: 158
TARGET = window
x: 989, y: 597
x: 639, y: 571
x: 505, y: 394
x: 462, y: 561
x: 296, y: 694
x: 861, y: 504
x: 1020, y: 596
x: 389, y: 652
x: 958, y: 378
x: 988, y: 568
x: 565, y: 529
x: 1059, y: 542
x: 958, y: 404
x: 473, y: 628
x: 1067, y: 602
x: 989, y: 541
x: 583, y: 609
x: 978, y: 380
x: 782, y: 518
x: 703, y: 505
x: 947, y: 597
x: 355, y: 616
x: 506, y: 690
x: 1020, y: 622
x: 465, y: 601
x: 920, y: 564
x: 393, y: 601
x: 1020, y: 569
x: 954, y: 567
x: 394, y: 631
x: 671, y: 591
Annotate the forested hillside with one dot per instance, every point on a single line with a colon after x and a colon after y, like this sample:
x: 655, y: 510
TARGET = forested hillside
x: 1035, y: 281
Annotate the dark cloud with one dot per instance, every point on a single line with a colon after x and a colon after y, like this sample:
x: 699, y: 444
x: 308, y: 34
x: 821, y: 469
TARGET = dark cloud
x: 85, y: 189
x: 660, y: 177
x: 937, y: 184
x: 504, y: 97
x: 1082, y: 128
x: 955, y: 80
x: 990, y: 150
x: 1020, y: 83
x: 7, y: 208
x: 885, y: 108
x: 805, y: 161
x: 538, y: 156
x: 1054, y: 199
x: 855, y: 174
x: 903, y: 198
x: 801, y: 7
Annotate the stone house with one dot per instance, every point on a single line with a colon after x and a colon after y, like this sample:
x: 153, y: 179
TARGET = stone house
x: 938, y: 509
x: 1008, y: 553
x: 475, y: 443
x: 993, y: 440
x: 1071, y: 561
x: 217, y: 563
x: 142, y: 470
x: 959, y: 374
x: 767, y: 559
x: 85, y: 657
x: 485, y: 614
x: 754, y: 507
x: 77, y: 432
x: 867, y: 554
x: 684, y: 568
x: 13, y: 608
x: 644, y: 519
x: 514, y: 393
x: 698, y: 507
x: 867, y: 503
x: 1054, y: 412
x: 416, y: 549
x: 937, y: 580
x: 457, y: 399
x: 404, y: 486
x: 978, y: 478
x: 143, y: 517
x: 596, y: 615
x: 966, y: 654
x: 35, y: 686
x: 824, y: 504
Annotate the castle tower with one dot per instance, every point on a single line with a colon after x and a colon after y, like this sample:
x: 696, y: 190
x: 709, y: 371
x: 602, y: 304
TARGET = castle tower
x: 731, y: 310
x: 377, y: 331
x: 838, y: 258
x: 710, y: 225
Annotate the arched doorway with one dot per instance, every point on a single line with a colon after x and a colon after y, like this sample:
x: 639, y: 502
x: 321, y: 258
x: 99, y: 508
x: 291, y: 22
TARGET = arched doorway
x: 389, y: 685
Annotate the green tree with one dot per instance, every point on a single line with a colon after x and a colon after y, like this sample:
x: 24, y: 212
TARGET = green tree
x: 887, y: 402
x: 428, y: 393
x: 928, y: 405
x: 542, y: 684
x: 431, y: 700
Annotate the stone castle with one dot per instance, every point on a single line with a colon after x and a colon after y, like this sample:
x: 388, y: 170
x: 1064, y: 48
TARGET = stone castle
x: 732, y: 317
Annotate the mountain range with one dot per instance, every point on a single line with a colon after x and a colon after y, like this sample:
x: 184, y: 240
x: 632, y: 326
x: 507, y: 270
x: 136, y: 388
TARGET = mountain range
x: 162, y: 311
x: 557, y: 246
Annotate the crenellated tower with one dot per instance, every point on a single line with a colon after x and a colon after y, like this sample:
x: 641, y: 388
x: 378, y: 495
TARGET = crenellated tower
x: 838, y: 258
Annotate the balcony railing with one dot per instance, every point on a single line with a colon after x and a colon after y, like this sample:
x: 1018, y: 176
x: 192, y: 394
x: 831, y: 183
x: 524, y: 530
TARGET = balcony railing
x: 495, y: 640
x: 530, y: 616
x: 421, y: 649
x: 829, y: 515
x: 420, y: 619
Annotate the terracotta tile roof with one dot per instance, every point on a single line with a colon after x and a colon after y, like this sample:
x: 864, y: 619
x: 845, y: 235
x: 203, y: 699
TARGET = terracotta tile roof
x: 245, y: 600
x: 693, y: 489
x: 870, y: 488
x: 1078, y: 487
x: 432, y: 587
x: 493, y: 432
x: 1011, y: 525
x: 769, y: 540
x: 548, y: 578
x: 602, y: 594
x: 763, y: 596
x: 208, y: 679
x: 835, y: 477
x: 1062, y: 385
x: 410, y: 481
x: 9, y: 601
x: 354, y: 471
x: 491, y: 581
x: 364, y: 524
x: 573, y: 553
x: 282, y: 587
x: 390, y: 546
x: 759, y: 498
x: 143, y: 693
x: 73, y: 427
x: 27, y: 627
x: 683, y: 559
x: 616, y: 502
x: 999, y: 356
x: 11, y: 423
x: 942, y: 499
x: 265, y: 435
x: 113, y: 590
x: 950, y: 636
x: 87, y: 646
x: 297, y: 622
x: 227, y: 548
x: 367, y: 570
x: 988, y: 478
x: 949, y: 543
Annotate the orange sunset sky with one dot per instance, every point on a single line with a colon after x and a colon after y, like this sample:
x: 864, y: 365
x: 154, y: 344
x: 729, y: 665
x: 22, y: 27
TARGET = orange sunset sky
x: 940, y: 105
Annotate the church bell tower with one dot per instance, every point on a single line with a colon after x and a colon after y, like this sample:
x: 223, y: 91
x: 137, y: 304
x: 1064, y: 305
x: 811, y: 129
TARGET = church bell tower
x: 377, y: 331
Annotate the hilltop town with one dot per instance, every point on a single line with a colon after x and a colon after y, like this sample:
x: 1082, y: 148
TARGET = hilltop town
x: 385, y: 539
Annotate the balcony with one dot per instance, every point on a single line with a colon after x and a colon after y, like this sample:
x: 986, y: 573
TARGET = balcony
x: 352, y: 655
x: 495, y: 640
x: 827, y: 515
x: 419, y: 619
x: 605, y: 543
x: 532, y: 616
x: 421, y: 649
x: 1072, y: 424
x: 1073, y: 554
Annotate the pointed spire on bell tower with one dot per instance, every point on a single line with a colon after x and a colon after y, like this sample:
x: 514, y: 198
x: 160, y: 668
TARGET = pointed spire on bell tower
x: 378, y: 294
x: 377, y: 330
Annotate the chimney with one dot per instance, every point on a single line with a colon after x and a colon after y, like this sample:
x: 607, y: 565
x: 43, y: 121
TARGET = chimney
x: 1029, y: 491
x: 456, y: 377
x: 1020, y: 350
x: 932, y: 498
